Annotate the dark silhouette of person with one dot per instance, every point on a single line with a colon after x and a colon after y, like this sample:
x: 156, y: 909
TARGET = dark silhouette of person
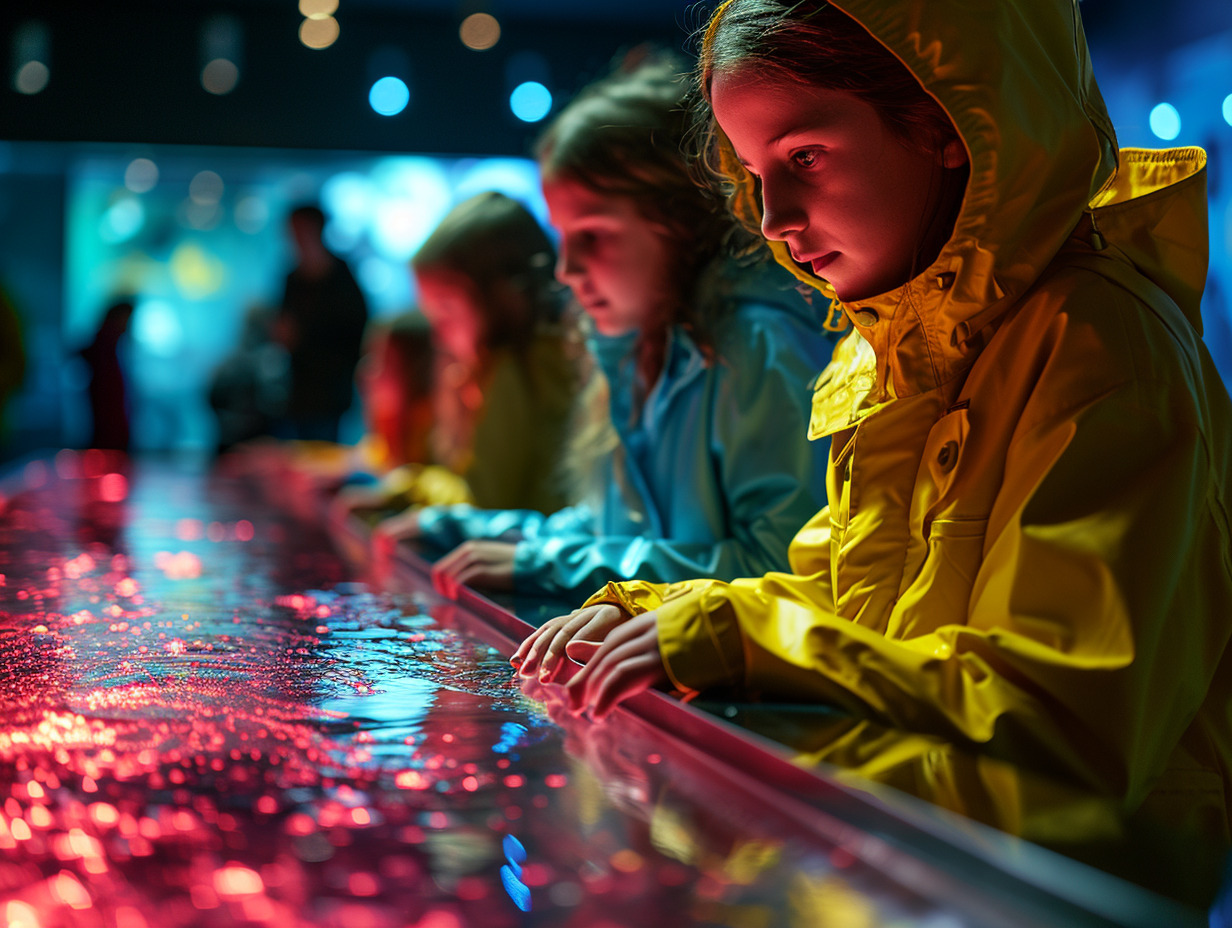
x: 321, y: 324
x: 108, y: 391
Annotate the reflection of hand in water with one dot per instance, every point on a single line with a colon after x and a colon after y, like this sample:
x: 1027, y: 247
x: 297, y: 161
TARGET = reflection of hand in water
x: 611, y: 751
x: 688, y: 817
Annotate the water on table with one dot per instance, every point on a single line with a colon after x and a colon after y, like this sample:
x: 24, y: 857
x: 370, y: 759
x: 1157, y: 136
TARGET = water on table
x: 208, y: 718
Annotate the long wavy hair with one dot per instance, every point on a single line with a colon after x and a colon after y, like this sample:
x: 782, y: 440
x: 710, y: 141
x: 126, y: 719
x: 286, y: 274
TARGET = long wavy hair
x: 623, y: 136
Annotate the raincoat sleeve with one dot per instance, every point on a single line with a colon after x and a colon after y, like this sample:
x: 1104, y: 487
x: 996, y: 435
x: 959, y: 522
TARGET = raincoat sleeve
x: 1097, y: 615
x: 449, y: 526
x: 771, y: 479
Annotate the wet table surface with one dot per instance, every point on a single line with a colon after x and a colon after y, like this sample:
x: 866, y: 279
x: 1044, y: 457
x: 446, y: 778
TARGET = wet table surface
x: 209, y: 717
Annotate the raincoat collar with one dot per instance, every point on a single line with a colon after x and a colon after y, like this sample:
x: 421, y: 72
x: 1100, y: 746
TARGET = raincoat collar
x: 1043, y: 161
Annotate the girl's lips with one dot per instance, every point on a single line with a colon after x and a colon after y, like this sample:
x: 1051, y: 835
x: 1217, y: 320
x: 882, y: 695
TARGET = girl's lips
x: 819, y: 263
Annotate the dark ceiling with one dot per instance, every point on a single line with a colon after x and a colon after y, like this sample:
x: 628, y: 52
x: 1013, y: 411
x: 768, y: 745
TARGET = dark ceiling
x: 129, y: 70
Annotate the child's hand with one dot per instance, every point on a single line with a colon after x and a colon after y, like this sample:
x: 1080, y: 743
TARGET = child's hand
x: 475, y: 563
x: 578, y: 635
x: 626, y: 663
x: 402, y: 527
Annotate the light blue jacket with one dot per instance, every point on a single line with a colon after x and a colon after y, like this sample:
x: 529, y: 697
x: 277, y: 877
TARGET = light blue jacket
x: 719, y: 475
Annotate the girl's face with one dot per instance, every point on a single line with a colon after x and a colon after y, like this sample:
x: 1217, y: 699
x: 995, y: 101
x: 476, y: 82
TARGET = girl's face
x: 616, y: 261
x: 850, y: 200
x: 449, y: 300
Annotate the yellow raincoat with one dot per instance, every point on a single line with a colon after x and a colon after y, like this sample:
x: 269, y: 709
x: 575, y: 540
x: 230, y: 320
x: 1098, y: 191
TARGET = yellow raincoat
x: 1027, y: 543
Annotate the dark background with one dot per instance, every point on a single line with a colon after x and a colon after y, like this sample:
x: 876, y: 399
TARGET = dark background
x: 125, y: 80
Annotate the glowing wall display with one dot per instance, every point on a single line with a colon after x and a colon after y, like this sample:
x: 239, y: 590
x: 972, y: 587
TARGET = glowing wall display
x: 197, y: 239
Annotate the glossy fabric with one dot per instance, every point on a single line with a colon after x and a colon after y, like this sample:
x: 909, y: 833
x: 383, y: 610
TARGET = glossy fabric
x: 1027, y: 545
x: 718, y: 476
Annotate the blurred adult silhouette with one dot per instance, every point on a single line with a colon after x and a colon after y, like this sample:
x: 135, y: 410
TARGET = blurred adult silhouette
x: 321, y: 324
x: 108, y: 390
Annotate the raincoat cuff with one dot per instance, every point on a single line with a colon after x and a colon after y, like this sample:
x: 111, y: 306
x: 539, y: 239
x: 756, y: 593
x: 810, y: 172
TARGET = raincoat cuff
x: 634, y: 598
x: 699, y: 641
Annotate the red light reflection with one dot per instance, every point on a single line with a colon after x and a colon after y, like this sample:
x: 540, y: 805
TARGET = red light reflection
x: 243, y: 734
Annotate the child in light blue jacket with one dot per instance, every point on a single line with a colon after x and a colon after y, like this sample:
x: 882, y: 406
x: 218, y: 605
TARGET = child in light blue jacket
x: 696, y: 462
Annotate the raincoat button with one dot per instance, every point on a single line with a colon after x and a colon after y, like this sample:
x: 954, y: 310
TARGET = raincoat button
x: 866, y: 317
x: 947, y: 457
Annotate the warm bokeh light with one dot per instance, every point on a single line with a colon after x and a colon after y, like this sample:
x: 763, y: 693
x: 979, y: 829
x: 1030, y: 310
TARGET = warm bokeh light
x: 479, y: 31
x: 18, y: 914
x: 220, y: 76
x: 317, y: 9
x: 319, y: 33
x: 196, y: 272
x: 112, y: 488
x: 236, y: 880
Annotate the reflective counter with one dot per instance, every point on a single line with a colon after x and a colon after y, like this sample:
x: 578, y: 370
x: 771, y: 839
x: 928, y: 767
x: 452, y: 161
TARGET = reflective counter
x: 217, y: 710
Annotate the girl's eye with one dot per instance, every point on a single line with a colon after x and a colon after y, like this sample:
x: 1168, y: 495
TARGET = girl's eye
x: 807, y: 158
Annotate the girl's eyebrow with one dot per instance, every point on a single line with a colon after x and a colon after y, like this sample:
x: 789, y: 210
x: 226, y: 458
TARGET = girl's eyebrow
x: 815, y: 123
x: 778, y: 139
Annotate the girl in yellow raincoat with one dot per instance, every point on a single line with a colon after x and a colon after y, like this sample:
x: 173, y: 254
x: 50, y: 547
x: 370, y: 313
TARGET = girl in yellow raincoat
x: 1027, y: 544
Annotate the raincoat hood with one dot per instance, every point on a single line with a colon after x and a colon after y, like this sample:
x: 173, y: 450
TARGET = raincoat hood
x: 1044, y: 165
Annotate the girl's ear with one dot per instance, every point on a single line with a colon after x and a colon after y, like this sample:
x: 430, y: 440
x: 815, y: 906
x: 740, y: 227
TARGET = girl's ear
x: 953, y: 154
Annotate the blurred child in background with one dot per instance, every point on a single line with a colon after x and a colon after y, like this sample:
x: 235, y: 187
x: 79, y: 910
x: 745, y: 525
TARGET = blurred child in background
x: 505, y: 370
x: 690, y: 455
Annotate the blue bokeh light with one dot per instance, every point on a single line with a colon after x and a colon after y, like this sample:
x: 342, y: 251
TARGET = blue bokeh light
x: 530, y: 101
x: 1227, y: 109
x: 156, y: 327
x: 1166, y: 121
x: 389, y: 96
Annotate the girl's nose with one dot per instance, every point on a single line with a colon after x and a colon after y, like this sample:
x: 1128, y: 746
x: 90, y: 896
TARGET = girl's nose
x: 568, y: 267
x: 781, y: 209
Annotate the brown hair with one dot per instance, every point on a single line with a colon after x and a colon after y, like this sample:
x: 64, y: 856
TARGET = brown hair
x: 623, y: 136
x: 495, y: 242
